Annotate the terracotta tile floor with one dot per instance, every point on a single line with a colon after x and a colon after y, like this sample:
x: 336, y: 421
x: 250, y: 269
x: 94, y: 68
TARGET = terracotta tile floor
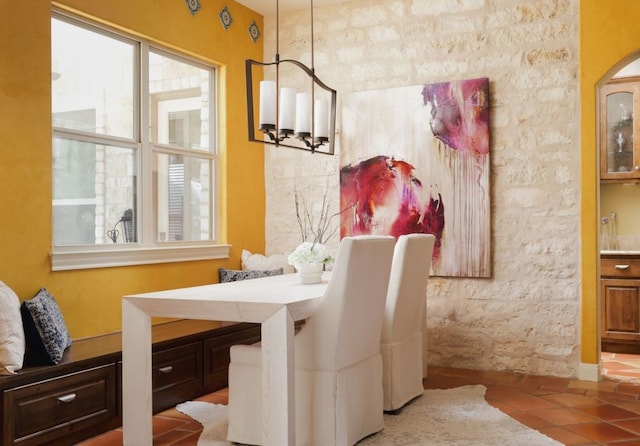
x: 621, y: 367
x: 571, y: 411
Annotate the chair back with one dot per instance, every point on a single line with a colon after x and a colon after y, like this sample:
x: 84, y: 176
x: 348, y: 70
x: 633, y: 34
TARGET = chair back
x: 346, y: 326
x: 406, y: 296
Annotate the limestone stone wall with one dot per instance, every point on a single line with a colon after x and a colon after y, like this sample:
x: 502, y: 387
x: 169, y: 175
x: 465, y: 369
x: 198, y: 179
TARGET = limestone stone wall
x: 526, y: 317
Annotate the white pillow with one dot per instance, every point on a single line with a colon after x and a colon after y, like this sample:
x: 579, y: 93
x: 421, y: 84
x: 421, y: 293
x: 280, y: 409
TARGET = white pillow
x: 258, y: 262
x: 12, y: 343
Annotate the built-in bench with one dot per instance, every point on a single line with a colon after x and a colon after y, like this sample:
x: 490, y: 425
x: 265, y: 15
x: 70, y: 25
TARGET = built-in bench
x: 82, y: 395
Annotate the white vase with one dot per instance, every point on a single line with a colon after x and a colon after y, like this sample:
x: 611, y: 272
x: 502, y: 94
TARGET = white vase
x: 309, y: 272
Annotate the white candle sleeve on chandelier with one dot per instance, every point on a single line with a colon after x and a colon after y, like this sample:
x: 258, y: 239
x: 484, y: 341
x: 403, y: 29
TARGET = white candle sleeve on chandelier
x: 303, y: 113
x: 267, y: 103
x: 321, y: 119
x: 287, y: 109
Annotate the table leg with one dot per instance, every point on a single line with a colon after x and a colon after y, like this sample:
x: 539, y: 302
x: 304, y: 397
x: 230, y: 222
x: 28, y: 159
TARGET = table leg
x: 136, y: 376
x: 278, y: 390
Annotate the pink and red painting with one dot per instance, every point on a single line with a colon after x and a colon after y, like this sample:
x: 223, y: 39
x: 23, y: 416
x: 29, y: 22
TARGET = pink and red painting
x: 416, y: 160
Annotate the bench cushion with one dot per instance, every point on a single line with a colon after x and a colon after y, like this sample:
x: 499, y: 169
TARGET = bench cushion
x: 259, y: 262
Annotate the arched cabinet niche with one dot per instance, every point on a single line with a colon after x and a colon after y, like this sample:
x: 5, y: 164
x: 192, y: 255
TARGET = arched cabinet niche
x: 619, y: 205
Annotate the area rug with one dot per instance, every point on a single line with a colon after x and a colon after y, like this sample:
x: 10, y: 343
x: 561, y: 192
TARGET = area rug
x: 458, y: 416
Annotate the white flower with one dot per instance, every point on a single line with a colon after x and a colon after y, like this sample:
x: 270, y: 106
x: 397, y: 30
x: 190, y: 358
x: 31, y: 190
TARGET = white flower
x: 308, y: 252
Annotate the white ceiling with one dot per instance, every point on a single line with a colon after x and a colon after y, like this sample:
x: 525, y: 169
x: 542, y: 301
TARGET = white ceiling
x: 268, y: 7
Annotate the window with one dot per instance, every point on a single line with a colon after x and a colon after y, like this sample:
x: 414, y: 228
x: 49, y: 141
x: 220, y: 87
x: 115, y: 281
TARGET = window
x: 134, y: 159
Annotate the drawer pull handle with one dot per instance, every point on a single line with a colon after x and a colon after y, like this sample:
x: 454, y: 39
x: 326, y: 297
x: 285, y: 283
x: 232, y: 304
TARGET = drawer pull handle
x: 67, y: 398
x: 622, y: 267
x: 166, y: 369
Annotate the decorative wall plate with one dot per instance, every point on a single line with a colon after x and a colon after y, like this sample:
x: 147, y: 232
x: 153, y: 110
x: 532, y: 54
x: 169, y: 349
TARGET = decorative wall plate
x: 193, y: 5
x: 225, y: 18
x: 254, y: 31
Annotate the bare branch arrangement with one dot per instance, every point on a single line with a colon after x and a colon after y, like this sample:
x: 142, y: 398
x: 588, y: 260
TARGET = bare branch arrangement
x: 319, y: 231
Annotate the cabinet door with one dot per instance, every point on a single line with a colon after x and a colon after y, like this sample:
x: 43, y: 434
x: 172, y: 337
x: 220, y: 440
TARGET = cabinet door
x: 62, y: 410
x: 621, y: 310
x: 216, y: 354
x: 177, y: 375
x: 619, y: 153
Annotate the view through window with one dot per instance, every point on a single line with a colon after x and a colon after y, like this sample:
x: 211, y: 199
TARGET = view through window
x: 131, y: 122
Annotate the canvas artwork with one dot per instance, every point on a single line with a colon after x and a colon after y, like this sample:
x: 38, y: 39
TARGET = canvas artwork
x: 416, y: 160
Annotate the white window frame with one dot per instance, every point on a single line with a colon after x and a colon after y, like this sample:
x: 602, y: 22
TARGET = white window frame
x: 146, y: 250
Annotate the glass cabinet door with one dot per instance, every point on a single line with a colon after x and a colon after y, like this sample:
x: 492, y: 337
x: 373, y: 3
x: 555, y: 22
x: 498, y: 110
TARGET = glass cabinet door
x: 619, y: 155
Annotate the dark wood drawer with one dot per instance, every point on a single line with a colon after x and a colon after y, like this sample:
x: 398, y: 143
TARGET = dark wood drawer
x: 620, y: 267
x: 177, y: 375
x: 92, y: 370
x: 44, y: 412
x: 216, y: 356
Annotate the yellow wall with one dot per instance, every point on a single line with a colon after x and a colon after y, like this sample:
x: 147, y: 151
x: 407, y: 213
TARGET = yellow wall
x: 608, y: 34
x: 90, y: 299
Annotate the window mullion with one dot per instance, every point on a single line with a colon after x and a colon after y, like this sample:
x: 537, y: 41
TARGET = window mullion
x: 147, y: 197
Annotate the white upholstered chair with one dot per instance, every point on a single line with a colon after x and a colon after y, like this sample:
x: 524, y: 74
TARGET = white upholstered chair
x: 402, y: 344
x: 338, y: 366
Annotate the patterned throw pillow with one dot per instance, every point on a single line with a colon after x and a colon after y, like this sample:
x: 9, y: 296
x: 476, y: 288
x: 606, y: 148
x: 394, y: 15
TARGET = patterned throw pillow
x: 45, y: 331
x: 233, y: 275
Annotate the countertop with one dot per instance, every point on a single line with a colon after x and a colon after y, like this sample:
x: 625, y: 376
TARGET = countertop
x: 620, y: 252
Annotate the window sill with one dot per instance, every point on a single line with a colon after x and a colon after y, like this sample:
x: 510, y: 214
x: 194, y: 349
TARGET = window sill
x: 79, y: 257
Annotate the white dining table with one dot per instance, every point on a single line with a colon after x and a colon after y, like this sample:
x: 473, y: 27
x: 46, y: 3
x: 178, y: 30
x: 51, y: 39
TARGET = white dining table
x: 274, y: 302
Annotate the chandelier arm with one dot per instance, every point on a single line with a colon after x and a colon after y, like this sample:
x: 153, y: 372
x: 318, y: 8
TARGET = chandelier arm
x: 307, y: 70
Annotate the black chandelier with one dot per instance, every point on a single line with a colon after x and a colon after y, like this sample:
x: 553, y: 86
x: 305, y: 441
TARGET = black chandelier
x: 290, y: 115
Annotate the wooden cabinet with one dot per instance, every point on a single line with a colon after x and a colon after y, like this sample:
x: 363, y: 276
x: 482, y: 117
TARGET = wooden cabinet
x: 620, y: 303
x: 216, y: 356
x: 619, y: 131
x: 177, y: 375
x: 46, y: 411
x: 82, y: 396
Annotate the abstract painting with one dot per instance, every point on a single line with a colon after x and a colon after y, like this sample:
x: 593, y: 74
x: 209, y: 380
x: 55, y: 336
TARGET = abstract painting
x: 416, y: 160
